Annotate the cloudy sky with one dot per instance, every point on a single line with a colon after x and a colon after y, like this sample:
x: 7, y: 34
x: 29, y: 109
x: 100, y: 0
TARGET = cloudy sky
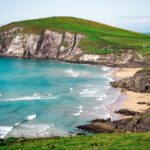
x: 129, y: 14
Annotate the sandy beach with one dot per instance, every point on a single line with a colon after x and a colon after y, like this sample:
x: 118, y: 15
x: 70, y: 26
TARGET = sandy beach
x: 132, y: 97
x: 125, y: 72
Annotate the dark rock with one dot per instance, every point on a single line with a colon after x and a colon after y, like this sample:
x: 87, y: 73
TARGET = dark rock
x: 148, y: 104
x: 101, y: 120
x: 97, y: 127
x: 81, y: 134
x: 140, y: 123
x: 141, y: 103
x: 127, y: 112
x: 140, y: 82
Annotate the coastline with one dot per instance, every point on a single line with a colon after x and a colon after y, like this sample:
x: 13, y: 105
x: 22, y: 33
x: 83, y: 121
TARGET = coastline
x: 132, y: 98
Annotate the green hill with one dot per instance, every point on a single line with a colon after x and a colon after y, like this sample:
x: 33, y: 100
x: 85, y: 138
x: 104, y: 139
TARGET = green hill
x: 100, y: 38
x: 122, y: 141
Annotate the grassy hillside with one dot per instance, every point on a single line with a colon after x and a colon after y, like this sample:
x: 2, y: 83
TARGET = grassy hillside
x: 100, y: 38
x: 132, y: 141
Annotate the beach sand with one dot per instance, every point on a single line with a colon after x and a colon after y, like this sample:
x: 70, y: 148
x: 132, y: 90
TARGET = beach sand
x: 132, y: 100
x: 125, y: 72
x: 132, y: 97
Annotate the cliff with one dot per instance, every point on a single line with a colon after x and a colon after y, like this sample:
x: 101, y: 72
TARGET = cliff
x: 73, y: 40
x: 50, y: 45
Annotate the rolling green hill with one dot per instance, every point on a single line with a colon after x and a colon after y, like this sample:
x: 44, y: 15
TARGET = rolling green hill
x: 100, y: 38
x: 123, y: 141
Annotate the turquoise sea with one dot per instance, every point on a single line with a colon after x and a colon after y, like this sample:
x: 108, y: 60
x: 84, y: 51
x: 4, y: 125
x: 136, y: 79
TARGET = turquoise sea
x: 45, y: 98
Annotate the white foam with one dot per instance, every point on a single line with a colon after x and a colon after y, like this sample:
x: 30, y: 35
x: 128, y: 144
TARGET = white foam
x: 4, y: 130
x: 101, y: 98
x: 18, y: 123
x: 71, y: 89
x: 35, y: 96
x: 88, y: 93
x: 96, y: 107
x: 46, y: 128
x: 105, y: 68
x: 110, y: 79
x: 0, y: 94
x: 37, y: 129
x: 80, y: 111
x: 72, y: 73
x: 80, y: 107
x: 30, y: 117
x: 27, y: 118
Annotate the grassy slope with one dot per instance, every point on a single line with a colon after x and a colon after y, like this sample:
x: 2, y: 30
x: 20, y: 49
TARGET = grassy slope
x: 134, y: 141
x: 100, y: 38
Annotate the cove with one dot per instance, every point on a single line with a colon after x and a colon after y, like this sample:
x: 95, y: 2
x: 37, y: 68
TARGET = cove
x: 45, y: 97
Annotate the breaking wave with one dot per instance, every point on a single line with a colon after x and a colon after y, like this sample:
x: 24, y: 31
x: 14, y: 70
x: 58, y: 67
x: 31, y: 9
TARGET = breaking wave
x: 105, y: 68
x: 4, y: 130
x: 88, y: 93
x: 80, y: 111
x: 30, y: 117
x: 72, y: 73
x: 35, y: 96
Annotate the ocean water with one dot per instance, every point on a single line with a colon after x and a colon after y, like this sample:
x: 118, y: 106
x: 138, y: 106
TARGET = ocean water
x: 147, y: 33
x: 50, y: 98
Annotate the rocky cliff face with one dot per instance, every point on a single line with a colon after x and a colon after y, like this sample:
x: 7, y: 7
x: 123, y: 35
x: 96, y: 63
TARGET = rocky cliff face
x: 60, y: 46
x: 140, y: 82
x: 50, y: 44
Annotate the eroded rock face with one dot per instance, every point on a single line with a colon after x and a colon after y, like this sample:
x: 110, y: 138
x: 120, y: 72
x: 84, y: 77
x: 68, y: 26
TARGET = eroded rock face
x: 67, y: 45
x: 72, y: 52
x: 7, y: 36
x: 60, y: 46
x: 140, y: 82
x: 23, y: 45
x: 50, y: 45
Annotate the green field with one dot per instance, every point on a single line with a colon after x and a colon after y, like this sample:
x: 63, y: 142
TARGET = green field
x: 100, y: 38
x: 123, y: 141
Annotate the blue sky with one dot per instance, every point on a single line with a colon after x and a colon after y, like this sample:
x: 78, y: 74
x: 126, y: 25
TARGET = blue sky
x: 129, y: 14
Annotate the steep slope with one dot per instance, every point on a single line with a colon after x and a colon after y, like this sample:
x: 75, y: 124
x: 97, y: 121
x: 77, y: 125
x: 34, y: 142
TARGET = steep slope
x: 74, y: 39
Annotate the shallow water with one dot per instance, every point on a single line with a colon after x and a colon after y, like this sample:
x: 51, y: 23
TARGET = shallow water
x: 44, y: 98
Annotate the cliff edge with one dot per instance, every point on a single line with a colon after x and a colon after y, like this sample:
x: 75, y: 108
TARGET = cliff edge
x: 74, y: 40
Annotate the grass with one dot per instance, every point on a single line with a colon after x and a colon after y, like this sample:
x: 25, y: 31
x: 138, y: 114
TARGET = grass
x: 100, y: 38
x: 124, y: 141
x: 145, y: 70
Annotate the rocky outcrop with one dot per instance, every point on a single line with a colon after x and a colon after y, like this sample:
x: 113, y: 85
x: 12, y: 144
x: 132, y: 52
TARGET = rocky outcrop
x: 127, y: 112
x: 136, y: 124
x: 60, y: 46
x: 140, y: 82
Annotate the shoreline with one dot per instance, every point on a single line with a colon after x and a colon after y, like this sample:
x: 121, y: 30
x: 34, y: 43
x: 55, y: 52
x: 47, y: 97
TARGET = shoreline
x: 132, y: 98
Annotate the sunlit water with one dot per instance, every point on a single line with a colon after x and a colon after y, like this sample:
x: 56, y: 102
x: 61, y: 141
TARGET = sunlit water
x: 44, y: 98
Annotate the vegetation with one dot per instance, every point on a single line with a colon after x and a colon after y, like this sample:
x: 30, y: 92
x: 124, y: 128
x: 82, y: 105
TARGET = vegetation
x: 124, y: 141
x: 145, y: 69
x: 100, y: 38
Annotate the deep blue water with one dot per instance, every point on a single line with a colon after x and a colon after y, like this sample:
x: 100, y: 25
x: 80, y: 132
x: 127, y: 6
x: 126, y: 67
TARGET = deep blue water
x: 50, y: 98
